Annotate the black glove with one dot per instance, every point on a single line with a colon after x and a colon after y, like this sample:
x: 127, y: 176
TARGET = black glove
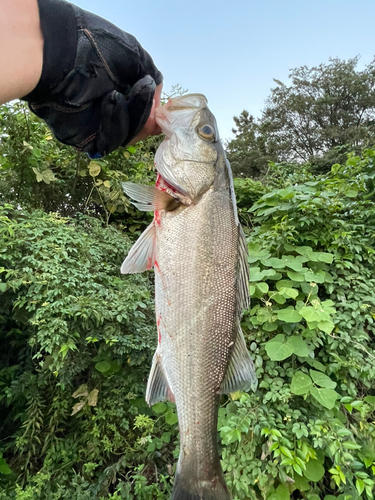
x: 97, y: 84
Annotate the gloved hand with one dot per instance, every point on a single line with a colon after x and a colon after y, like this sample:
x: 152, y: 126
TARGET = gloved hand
x: 97, y: 85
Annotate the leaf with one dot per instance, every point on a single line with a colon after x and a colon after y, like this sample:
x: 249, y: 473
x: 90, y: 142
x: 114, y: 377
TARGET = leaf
x: 39, y: 176
x: 370, y: 400
x: 78, y: 407
x: 316, y: 364
x: 159, y: 407
x: 300, y: 482
x: 311, y: 277
x: 296, y: 276
x: 292, y: 263
x: 301, y: 384
x: 263, y: 287
x: 289, y: 315
x: 322, y: 380
x: 93, y: 397
x: 299, y: 346
x: 103, y: 366
x: 281, y: 493
x: 360, y: 485
x: 256, y: 253
x: 351, y: 446
x: 351, y: 193
x: 270, y: 326
x: 326, y: 397
x: 326, y: 326
x: 279, y: 298
x: 310, y: 314
x: 48, y: 176
x: 284, y: 284
x: 274, y: 262
x: 285, y: 451
x: 81, y: 391
x: 324, y: 257
x: 314, y: 471
x: 277, y: 349
x: 94, y: 169
x: 4, y: 468
x: 3, y: 287
x: 171, y: 418
x: 290, y: 293
x: 257, y: 275
x: 36, y: 152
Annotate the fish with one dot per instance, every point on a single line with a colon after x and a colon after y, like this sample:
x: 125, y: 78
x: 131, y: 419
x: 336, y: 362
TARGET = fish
x: 198, y: 251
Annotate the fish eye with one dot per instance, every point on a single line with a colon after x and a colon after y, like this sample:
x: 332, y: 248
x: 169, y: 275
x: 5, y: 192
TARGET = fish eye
x: 207, y: 132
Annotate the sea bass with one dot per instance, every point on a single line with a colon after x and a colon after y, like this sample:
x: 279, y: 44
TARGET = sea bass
x: 199, y: 254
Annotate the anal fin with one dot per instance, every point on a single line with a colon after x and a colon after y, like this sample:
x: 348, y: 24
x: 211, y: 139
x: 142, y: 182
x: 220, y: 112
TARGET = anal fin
x: 157, y: 386
x: 240, y: 374
x: 142, y: 253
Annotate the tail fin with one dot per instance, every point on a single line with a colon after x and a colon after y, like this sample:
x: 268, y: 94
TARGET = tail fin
x: 192, y: 488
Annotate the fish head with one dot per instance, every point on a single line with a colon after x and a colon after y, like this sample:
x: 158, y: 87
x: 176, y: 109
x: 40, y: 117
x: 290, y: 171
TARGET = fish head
x: 187, y: 157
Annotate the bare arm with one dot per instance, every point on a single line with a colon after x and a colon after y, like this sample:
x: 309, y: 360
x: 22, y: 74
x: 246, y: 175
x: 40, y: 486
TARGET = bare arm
x: 21, y: 42
x: 94, y: 110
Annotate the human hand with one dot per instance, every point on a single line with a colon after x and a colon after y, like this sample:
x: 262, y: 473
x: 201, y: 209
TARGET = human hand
x: 99, y: 88
x: 151, y: 127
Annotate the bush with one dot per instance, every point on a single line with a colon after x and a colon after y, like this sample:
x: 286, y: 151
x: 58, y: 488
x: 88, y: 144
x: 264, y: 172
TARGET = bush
x: 309, y: 429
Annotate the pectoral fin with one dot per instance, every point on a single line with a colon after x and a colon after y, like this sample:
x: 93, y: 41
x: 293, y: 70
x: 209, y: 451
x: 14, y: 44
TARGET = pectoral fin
x: 142, y: 253
x: 240, y: 374
x: 157, y: 385
x: 149, y: 198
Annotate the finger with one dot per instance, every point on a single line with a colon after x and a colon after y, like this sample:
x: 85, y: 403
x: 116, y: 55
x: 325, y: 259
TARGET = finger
x: 122, y: 118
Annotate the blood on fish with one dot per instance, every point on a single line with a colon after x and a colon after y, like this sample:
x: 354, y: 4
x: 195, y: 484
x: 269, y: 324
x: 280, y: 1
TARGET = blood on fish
x: 149, y: 263
x: 158, y: 324
x: 170, y: 396
x: 157, y: 217
x: 157, y: 265
x: 163, y: 185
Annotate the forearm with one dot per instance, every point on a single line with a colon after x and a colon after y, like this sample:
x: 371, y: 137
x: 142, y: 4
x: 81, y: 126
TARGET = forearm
x: 21, y: 42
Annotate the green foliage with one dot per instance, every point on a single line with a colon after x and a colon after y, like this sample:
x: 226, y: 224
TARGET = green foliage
x: 248, y: 153
x: 322, y: 114
x: 309, y: 430
x: 41, y: 173
x: 77, y: 337
x: 76, y: 343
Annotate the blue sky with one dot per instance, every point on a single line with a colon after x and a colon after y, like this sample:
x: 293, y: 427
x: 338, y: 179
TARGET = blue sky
x: 231, y: 50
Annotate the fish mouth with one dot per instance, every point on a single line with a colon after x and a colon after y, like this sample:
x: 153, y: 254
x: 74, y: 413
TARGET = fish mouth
x: 179, y: 109
x: 178, y: 192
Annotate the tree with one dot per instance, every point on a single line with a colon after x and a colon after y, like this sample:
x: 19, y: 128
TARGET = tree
x: 326, y: 112
x: 247, y: 153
